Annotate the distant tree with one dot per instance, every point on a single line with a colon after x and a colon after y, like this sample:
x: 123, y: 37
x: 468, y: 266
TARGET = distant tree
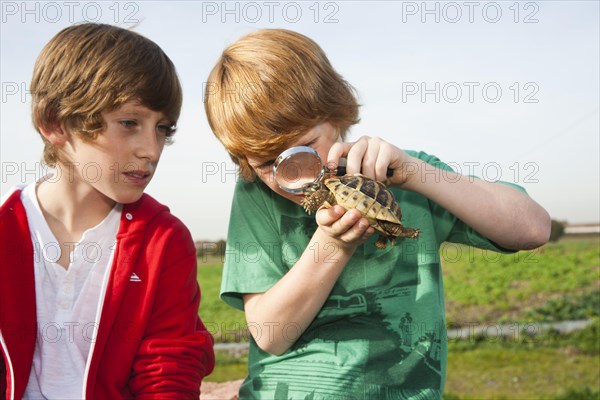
x: 209, y: 248
x: 199, y: 248
x: 557, y: 229
x: 221, y: 244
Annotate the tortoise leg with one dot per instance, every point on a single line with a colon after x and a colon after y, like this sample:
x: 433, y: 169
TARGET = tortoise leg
x: 381, y: 242
x: 312, y: 202
x: 398, y: 230
x: 409, y: 233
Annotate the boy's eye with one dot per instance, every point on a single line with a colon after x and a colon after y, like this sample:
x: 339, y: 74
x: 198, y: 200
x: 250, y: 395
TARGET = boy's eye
x: 267, y: 164
x: 128, y: 123
x: 167, y: 129
x: 266, y: 167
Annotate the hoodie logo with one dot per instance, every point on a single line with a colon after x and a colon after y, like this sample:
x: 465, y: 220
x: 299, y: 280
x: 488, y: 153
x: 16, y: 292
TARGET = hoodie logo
x: 134, y: 278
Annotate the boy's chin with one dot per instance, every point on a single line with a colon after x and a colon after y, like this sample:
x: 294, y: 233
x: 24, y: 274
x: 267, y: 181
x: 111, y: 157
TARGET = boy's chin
x: 127, y: 198
x: 130, y: 199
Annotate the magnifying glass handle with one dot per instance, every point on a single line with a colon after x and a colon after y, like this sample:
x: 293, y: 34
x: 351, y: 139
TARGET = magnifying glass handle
x: 341, y: 170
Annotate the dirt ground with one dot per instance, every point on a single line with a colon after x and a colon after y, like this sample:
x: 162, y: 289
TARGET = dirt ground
x: 220, y: 391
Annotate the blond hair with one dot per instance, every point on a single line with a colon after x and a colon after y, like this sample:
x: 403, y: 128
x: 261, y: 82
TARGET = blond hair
x: 269, y: 88
x: 90, y: 68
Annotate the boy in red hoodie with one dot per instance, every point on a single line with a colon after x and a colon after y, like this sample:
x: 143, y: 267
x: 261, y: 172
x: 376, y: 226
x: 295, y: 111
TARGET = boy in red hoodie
x: 98, y: 290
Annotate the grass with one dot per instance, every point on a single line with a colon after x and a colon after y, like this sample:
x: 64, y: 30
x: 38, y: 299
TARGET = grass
x: 515, y: 373
x: 548, y: 366
x: 561, y: 281
x: 224, y: 322
x: 567, y: 307
x: 490, y: 287
x: 228, y: 367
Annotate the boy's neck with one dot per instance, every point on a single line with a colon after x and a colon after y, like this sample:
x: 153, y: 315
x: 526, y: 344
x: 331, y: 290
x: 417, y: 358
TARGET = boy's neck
x: 71, y: 209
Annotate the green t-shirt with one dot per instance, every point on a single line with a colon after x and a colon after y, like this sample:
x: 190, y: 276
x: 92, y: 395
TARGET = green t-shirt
x: 381, y: 333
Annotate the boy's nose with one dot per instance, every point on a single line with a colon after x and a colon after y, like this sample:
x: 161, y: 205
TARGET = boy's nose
x: 150, y: 146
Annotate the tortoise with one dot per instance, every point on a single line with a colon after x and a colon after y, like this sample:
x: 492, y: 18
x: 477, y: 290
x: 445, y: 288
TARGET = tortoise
x: 372, y: 198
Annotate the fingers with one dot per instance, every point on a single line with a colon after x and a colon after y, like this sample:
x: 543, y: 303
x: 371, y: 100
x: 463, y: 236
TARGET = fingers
x: 377, y: 159
x: 370, y: 156
x: 327, y: 216
x: 358, y: 233
x: 349, y: 227
x: 337, y: 151
x: 353, y: 152
x: 356, y: 155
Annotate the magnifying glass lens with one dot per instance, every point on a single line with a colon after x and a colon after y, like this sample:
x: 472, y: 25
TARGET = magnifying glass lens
x: 297, y: 167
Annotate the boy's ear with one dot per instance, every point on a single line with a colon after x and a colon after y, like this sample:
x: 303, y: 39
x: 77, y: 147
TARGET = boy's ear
x: 44, y: 116
x: 55, y: 133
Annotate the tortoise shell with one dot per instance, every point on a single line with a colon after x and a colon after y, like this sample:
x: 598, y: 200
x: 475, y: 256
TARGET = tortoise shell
x: 372, y: 198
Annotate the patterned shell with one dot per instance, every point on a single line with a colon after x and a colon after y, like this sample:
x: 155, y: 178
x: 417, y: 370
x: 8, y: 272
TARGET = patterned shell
x: 370, y: 197
x: 374, y: 201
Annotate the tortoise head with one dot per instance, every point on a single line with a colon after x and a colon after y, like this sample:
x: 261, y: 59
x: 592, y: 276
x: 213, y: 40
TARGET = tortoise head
x: 312, y: 187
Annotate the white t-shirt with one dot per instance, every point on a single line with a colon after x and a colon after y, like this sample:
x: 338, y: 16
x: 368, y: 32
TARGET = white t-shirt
x: 68, y: 301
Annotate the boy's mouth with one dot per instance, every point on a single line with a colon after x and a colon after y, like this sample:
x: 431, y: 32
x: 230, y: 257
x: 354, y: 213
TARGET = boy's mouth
x: 137, y: 177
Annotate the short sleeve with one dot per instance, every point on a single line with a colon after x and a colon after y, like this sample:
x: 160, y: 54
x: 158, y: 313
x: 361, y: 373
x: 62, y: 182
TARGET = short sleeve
x: 448, y: 227
x: 252, y: 258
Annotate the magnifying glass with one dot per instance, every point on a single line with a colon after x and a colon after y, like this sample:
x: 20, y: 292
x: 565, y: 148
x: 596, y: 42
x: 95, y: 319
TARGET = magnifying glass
x: 299, y: 168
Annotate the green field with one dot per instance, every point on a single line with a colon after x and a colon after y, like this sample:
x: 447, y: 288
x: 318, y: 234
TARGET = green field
x: 224, y: 322
x: 560, y: 281
x: 487, y: 287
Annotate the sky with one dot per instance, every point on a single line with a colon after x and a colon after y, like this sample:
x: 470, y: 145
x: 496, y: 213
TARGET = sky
x: 505, y: 90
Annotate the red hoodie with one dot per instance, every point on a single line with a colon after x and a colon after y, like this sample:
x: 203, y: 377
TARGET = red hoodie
x: 150, y: 341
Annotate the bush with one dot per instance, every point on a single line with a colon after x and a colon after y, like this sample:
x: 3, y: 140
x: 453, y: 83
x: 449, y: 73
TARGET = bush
x: 568, y: 307
x: 557, y: 229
